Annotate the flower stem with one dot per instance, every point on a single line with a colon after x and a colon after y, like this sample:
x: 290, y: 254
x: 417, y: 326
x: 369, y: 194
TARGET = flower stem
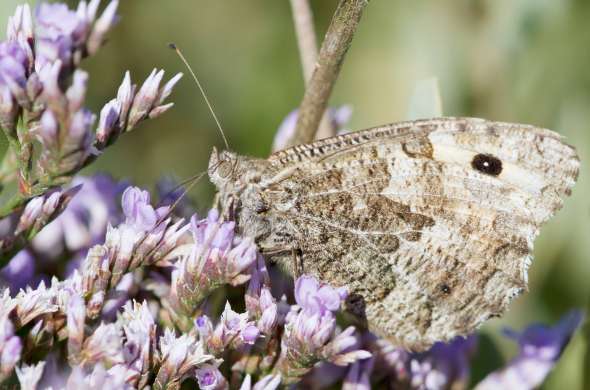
x: 308, y: 50
x: 336, y: 43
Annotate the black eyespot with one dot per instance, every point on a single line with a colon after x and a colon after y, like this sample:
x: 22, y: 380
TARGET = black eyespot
x: 488, y: 164
x: 445, y: 289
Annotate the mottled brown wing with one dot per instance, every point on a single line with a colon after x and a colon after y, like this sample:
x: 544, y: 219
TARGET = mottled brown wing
x: 430, y: 223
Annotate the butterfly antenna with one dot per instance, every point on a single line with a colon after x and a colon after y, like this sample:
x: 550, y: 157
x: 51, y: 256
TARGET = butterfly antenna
x: 183, y: 59
x: 191, y: 181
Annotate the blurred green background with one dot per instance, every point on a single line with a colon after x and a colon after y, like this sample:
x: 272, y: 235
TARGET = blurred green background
x: 510, y: 60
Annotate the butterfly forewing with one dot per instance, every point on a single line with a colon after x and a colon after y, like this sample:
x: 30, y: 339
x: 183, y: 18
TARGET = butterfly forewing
x: 429, y: 223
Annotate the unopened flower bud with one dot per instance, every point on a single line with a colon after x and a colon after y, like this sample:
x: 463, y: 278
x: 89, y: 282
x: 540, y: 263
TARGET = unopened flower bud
x: 29, y: 216
x: 104, y: 23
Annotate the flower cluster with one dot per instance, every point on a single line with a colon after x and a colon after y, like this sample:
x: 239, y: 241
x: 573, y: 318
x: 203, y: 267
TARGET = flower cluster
x: 91, y: 203
x: 309, y: 331
x: 39, y: 210
x: 214, y: 257
x: 142, y: 346
x: 158, y: 343
x: 51, y: 133
x: 147, y: 236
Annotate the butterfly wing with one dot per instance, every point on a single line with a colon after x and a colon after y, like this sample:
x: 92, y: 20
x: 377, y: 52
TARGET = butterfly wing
x: 429, y: 223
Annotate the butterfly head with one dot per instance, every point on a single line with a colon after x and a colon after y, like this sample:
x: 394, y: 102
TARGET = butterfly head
x: 223, y: 167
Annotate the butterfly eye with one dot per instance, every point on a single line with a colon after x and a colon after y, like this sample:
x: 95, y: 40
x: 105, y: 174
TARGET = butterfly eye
x: 488, y: 164
x: 224, y: 169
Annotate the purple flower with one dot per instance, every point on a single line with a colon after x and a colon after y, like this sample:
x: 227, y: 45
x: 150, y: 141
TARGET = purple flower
x: 443, y: 365
x: 103, y: 345
x: 149, y: 101
x: 67, y: 35
x: 180, y: 356
x: 358, y: 376
x: 540, y: 348
x: 270, y: 312
x: 14, y: 65
x: 66, y: 128
x: 137, y: 209
x: 212, y: 231
x: 108, y: 121
x: 33, y: 210
x: 209, y: 378
x: 48, y: 130
x: 268, y: 382
x: 113, y: 116
x: 106, y: 21
x: 84, y: 221
x: 139, y: 333
x: 130, y: 246
x: 39, y: 211
x: 20, y: 271
x: 56, y: 20
x: 125, y: 96
x: 11, y: 354
x: 20, y: 25
x: 216, y: 257
x: 310, y: 331
x: 76, y: 316
x: 315, y: 298
x: 76, y: 93
x: 233, y: 328
x: 57, y: 30
x: 10, y: 344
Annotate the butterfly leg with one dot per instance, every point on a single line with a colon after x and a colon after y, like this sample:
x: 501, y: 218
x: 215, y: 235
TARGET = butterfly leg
x: 297, y: 256
x: 275, y: 255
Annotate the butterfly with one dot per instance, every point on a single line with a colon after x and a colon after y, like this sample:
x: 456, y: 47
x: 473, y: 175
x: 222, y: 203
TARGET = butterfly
x: 430, y: 224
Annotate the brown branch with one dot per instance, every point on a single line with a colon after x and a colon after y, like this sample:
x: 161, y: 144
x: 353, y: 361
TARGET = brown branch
x: 336, y: 43
x: 308, y: 51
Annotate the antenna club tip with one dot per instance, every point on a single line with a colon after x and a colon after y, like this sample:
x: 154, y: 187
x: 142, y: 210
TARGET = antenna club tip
x: 172, y: 46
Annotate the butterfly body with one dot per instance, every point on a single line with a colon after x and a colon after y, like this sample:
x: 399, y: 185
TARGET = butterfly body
x: 430, y: 224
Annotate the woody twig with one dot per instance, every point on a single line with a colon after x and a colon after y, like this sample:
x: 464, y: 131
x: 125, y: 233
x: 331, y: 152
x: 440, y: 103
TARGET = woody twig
x: 336, y: 43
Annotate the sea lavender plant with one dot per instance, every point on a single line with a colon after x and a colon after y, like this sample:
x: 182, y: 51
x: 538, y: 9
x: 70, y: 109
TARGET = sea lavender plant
x: 137, y: 350
x: 42, y: 94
